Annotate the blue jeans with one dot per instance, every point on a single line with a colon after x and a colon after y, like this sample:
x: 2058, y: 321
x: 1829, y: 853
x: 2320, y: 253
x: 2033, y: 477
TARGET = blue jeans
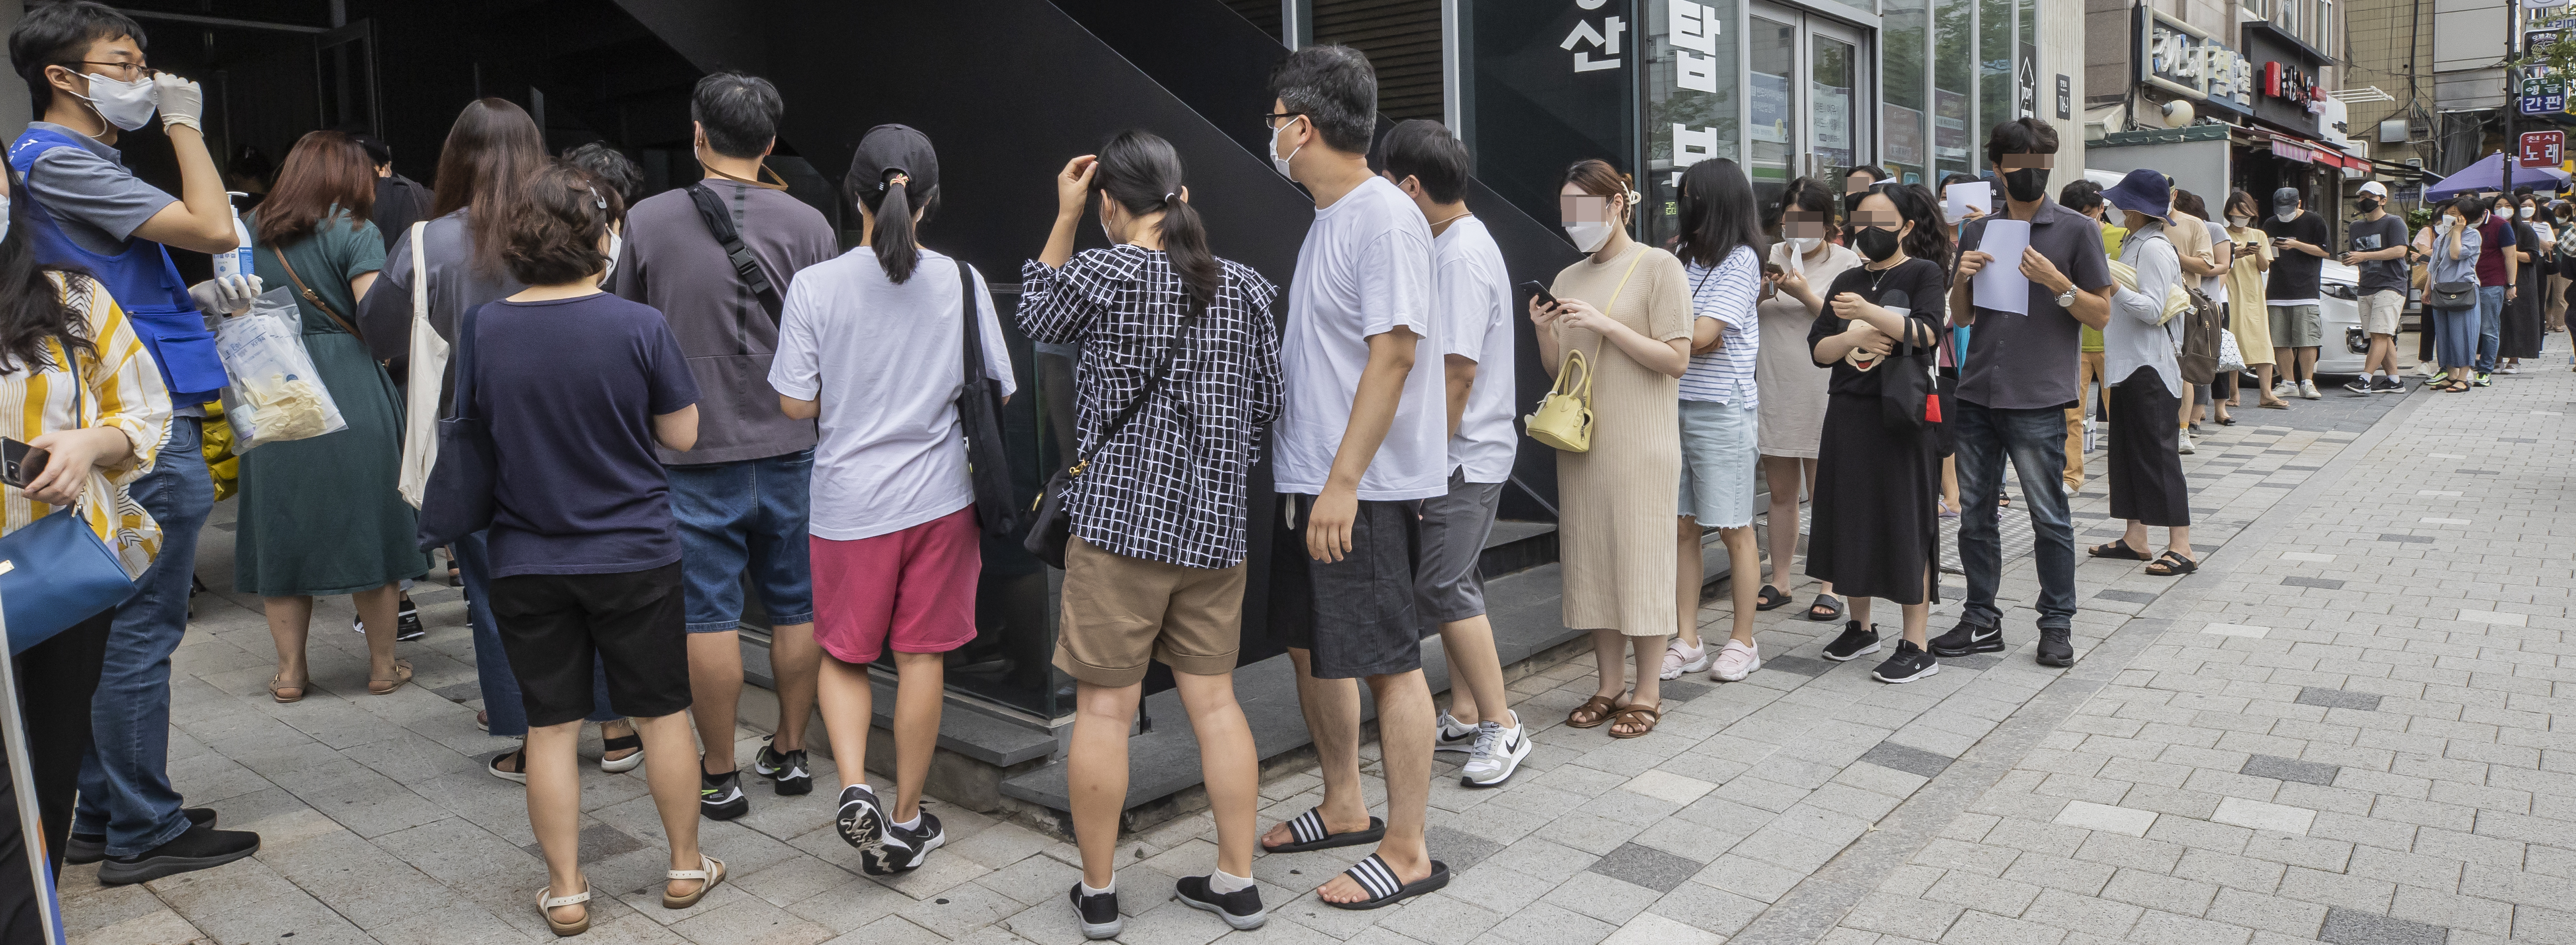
x: 750, y: 513
x: 2455, y: 336
x: 501, y: 700
x: 125, y: 789
x: 2490, y: 326
x: 2035, y: 439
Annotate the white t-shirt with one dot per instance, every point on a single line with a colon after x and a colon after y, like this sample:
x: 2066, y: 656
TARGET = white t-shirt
x: 1471, y: 299
x: 886, y: 361
x: 1365, y: 268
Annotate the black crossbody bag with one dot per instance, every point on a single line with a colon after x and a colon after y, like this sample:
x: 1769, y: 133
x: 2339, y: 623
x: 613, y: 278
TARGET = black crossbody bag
x: 1052, y: 528
x: 719, y: 221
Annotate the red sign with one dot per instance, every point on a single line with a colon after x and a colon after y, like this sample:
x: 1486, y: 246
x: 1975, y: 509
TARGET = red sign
x: 2542, y: 148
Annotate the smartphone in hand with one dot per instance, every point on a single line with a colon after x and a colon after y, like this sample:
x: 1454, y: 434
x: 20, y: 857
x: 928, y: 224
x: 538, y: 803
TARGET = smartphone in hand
x: 20, y: 463
x: 1539, y: 292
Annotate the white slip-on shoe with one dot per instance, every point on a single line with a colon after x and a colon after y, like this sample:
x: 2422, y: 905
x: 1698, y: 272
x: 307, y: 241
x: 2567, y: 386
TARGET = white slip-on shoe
x: 1679, y: 659
x: 1735, y: 661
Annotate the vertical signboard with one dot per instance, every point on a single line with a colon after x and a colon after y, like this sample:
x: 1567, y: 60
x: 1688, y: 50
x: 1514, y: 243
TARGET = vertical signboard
x: 1549, y: 82
x: 1691, y: 80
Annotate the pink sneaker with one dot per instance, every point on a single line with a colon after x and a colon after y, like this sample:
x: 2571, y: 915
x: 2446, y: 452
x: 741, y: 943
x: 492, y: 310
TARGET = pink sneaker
x: 1736, y: 661
x: 1681, y: 660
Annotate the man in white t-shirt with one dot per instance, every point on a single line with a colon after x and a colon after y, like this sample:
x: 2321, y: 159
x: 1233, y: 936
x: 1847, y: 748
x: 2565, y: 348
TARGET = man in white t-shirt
x: 1358, y: 446
x: 1471, y: 309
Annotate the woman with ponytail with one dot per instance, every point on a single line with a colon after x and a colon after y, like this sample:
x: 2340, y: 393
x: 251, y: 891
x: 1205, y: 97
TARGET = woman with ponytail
x: 1180, y: 370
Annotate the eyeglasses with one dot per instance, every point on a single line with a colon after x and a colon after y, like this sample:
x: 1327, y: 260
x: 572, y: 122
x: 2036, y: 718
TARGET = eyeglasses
x: 128, y: 70
x: 1276, y: 120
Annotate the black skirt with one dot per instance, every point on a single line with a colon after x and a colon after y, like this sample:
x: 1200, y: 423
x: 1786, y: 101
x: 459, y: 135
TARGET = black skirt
x: 1876, y: 526
x: 2146, y: 469
x: 2520, y: 329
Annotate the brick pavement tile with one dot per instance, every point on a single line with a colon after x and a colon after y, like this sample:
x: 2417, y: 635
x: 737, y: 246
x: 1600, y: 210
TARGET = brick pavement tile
x: 2261, y: 815
x: 2337, y: 889
x: 2201, y: 834
x: 2452, y: 911
x: 2332, y: 825
x: 2000, y: 896
x: 1433, y: 919
x: 1601, y: 897
x: 1546, y: 924
x: 2289, y: 769
x: 2166, y: 928
x: 1983, y: 928
x: 2060, y: 873
x: 1646, y: 866
x: 2349, y: 927
x: 1976, y: 858
x: 2130, y: 852
x: 1652, y: 929
x: 1748, y: 877
x: 2159, y: 891
x: 2083, y: 913
x: 1900, y: 915
x: 2104, y: 817
x: 2267, y: 913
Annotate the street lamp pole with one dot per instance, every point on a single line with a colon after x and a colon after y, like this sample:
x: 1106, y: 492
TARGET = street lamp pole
x: 2512, y: 91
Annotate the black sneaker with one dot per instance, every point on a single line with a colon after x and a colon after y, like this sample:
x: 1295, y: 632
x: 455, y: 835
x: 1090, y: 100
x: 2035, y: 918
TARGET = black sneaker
x: 786, y: 771
x: 2358, y: 385
x: 1241, y: 908
x: 1909, y: 664
x: 862, y: 824
x: 199, y: 848
x: 918, y: 840
x: 1968, y: 638
x: 1854, y: 642
x: 1097, y: 914
x: 407, y: 627
x: 2054, y: 647
x: 2387, y: 385
x: 92, y: 847
x: 720, y: 796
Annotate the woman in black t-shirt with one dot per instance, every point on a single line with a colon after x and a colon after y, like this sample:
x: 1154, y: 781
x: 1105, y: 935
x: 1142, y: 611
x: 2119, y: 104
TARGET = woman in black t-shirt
x: 1875, y: 524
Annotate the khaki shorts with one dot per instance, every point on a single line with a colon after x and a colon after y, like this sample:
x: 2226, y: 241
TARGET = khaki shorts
x: 2380, y: 311
x: 2296, y: 326
x: 1120, y: 612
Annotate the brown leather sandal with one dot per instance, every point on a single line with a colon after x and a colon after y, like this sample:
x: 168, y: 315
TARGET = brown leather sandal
x: 278, y: 688
x: 380, y: 686
x: 1600, y: 708
x: 1636, y: 715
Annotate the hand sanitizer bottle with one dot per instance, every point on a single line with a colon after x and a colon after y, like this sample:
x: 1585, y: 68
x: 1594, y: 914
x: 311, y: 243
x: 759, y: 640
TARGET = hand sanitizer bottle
x: 237, y: 262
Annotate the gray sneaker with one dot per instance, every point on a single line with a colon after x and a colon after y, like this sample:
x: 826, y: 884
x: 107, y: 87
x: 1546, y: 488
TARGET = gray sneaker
x: 1498, y: 753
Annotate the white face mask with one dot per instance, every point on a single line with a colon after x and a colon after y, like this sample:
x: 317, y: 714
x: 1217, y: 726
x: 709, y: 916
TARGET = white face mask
x: 2240, y: 222
x: 2526, y: 213
x: 1281, y: 163
x: 127, y: 105
x: 2442, y: 225
x: 2287, y: 215
x: 1589, y: 237
x: 616, y: 243
x: 1802, y: 245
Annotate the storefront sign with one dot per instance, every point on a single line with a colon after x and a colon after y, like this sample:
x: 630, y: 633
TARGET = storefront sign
x: 1604, y: 40
x: 2536, y: 38
x: 2231, y: 78
x: 1949, y: 125
x: 1693, y: 30
x: 1568, y: 67
x: 1904, y: 135
x: 2171, y: 55
x: 2065, y: 97
x: 2542, y: 95
x: 2542, y: 148
x: 2287, y: 151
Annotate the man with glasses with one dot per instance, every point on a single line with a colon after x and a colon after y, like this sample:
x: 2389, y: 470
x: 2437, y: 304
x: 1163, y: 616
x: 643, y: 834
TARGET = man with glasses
x: 85, y: 73
x: 2016, y: 384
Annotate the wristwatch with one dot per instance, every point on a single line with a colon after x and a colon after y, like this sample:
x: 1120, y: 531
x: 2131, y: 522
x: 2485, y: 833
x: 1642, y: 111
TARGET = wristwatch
x: 2066, y: 299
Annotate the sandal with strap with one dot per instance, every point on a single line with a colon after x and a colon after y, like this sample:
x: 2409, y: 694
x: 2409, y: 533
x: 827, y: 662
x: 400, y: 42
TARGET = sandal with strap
x: 278, y: 688
x: 1645, y: 715
x: 710, y: 872
x: 2118, y: 549
x: 1598, y: 707
x: 1384, y: 887
x: 380, y: 686
x: 2173, y: 565
x: 629, y: 742
x: 1770, y: 598
x: 1307, y: 832
x: 1825, y: 610
x: 546, y: 906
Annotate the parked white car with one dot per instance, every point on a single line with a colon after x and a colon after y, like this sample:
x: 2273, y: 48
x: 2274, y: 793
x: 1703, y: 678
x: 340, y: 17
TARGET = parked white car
x: 2341, y: 309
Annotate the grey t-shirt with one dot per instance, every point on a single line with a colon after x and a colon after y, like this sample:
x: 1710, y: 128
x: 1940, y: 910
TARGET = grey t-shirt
x: 96, y: 201
x: 2028, y: 362
x: 456, y: 286
x: 2380, y: 275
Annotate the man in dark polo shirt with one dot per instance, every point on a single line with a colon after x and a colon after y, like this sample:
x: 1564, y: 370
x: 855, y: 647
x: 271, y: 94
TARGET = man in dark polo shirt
x: 2015, y: 385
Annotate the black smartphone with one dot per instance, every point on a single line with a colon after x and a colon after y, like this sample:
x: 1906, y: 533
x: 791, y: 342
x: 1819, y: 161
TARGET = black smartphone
x: 20, y: 463
x: 1539, y: 292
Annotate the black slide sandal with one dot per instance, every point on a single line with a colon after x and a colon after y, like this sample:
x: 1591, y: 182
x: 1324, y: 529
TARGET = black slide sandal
x: 1380, y: 882
x: 1825, y: 610
x: 2174, y: 565
x: 1306, y: 832
x: 2118, y: 549
x: 1770, y: 598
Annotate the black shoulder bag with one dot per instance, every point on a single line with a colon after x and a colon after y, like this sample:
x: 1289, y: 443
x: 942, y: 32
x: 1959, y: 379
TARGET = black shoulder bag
x: 979, y: 410
x: 1909, y: 398
x: 1053, y: 527
x: 719, y: 221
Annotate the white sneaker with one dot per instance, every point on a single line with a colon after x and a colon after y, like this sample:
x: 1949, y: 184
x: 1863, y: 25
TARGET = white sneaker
x: 1679, y: 659
x: 2509, y: 369
x: 1498, y: 753
x: 1735, y: 661
x: 2184, y: 444
x: 2426, y: 369
x: 2285, y: 389
x: 1453, y: 735
x: 2308, y: 390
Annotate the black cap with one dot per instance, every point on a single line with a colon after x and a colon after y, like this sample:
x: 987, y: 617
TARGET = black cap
x: 888, y: 148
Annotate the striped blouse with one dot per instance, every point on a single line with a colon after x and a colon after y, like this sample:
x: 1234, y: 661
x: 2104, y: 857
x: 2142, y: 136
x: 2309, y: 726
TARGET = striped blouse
x: 1726, y: 293
x: 124, y: 392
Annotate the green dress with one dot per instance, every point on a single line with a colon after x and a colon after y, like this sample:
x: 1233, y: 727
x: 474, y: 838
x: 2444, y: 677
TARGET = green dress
x: 322, y: 516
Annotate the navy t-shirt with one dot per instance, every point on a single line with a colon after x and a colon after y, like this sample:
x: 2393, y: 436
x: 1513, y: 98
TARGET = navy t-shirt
x: 571, y: 388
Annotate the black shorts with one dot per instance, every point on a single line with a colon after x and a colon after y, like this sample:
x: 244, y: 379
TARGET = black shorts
x: 635, y: 622
x: 1354, y: 617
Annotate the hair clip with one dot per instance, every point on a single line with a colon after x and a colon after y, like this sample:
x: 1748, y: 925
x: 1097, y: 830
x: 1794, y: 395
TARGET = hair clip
x: 595, y: 199
x: 899, y: 178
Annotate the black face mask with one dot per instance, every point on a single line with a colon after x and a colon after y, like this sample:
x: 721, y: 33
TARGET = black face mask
x: 1875, y: 243
x: 2026, y: 185
x: 2369, y: 206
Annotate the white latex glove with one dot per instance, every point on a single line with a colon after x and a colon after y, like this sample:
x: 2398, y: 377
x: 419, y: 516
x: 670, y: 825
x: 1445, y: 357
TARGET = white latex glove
x: 181, y: 101
x: 227, y: 296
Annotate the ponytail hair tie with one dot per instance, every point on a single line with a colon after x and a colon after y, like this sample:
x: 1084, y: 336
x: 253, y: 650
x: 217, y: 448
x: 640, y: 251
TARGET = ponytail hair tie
x: 1167, y: 198
x: 896, y: 179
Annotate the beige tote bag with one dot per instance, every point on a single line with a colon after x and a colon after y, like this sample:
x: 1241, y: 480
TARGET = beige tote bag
x: 428, y: 371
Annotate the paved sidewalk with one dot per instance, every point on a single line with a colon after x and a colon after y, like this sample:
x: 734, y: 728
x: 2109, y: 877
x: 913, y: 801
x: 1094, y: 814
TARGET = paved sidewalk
x: 2348, y: 760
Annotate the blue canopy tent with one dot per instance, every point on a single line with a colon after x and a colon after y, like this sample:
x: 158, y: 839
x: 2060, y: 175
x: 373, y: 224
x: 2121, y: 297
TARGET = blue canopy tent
x: 2486, y: 175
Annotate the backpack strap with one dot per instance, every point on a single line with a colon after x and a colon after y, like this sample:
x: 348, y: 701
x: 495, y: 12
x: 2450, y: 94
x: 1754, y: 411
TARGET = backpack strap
x: 719, y: 221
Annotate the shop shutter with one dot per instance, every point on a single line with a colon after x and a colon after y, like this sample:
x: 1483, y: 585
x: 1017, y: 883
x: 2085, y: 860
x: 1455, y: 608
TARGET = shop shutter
x: 1401, y: 38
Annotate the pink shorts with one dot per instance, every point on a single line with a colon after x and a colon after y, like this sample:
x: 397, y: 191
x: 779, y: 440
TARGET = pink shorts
x: 915, y: 587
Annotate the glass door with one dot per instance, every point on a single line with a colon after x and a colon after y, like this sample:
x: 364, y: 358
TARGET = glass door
x: 1810, y: 101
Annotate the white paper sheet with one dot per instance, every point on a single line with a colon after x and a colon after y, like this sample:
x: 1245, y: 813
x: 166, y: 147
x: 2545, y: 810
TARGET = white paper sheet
x: 2001, y: 286
x: 1958, y: 199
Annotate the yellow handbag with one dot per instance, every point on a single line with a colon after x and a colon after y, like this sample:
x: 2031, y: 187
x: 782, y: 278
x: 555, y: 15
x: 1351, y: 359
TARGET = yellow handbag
x: 1564, y: 417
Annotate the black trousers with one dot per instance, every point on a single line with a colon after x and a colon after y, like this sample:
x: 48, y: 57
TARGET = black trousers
x: 55, y: 681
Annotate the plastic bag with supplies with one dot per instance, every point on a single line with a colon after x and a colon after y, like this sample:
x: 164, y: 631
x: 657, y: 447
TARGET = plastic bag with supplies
x: 275, y: 394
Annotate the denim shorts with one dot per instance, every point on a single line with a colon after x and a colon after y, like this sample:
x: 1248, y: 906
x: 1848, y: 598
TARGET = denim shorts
x: 1718, y: 453
x: 748, y: 515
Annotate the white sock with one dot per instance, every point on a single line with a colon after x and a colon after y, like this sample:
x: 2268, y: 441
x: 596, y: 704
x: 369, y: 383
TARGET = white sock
x: 1102, y: 891
x: 1221, y: 882
x: 914, y: 823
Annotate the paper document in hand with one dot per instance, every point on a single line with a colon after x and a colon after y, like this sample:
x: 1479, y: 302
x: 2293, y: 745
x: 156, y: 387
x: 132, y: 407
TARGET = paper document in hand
x: 2001, y: 286
x: 1957, y: 200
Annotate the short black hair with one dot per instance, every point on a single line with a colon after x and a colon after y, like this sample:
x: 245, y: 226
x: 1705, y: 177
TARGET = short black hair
x: 378, y: 152
x: 740, y: 112
x: 1875, y: 172
x: 2020, y: 136
x: 57, y: 34
x: 611, y: 166
x: 1336, y: 89
x: 2080, y: 196
x: 1422, y: 149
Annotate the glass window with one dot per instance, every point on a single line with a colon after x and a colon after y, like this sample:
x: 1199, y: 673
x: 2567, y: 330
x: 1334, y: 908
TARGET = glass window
x: 1906, y: 40
x: 1833, y: 84
x: 1691, y: 105
x: 1953, y: 89
x: 1773, y: 133
x: 1994, y: 73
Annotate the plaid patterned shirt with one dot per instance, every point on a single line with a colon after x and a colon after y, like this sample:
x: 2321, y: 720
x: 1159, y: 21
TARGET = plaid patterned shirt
x: 1170, y: 486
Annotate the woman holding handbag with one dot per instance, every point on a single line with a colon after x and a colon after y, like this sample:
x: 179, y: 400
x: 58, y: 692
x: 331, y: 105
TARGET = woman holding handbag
x: 1616, y: 498
x: 2452, y: 301
x: 2138, y: 347
x: 2246, y: 319
x: 320, y: 516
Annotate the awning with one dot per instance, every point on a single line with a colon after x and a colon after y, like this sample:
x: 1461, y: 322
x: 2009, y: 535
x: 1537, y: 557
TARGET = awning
x: 2282, y: 148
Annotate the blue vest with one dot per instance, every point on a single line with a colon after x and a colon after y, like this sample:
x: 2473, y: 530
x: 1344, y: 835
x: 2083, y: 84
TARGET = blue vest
x: 141, y: 280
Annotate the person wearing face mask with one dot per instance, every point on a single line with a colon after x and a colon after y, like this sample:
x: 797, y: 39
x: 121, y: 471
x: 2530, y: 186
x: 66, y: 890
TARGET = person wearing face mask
x: 741, y: 494
x: 2379, y: 251
x: 2561, y: 231
x: 2452, y: 258
x: 2085, y: 197
x: 2293, y: 295
x: 2518, y: 334
x: 84, y: 67
x: 2247, y: 316
x: 2138, y: 344
x: 613, y: 168
x: 2499, y: 275
x: 2014, y: 386
x: 1791, y: 414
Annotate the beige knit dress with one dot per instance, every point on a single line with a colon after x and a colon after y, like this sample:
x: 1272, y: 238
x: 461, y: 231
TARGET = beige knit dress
x: 1618, y: 502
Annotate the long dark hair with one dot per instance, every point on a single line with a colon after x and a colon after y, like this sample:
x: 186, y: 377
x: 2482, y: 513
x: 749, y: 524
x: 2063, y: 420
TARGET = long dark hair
x: 1141, y: 171
x: 1717, y: 213
x: 491, y: 152
x: 898, y: 247
x: 1914, y: 204
x: 31, y: 309
x: 326, y: 173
